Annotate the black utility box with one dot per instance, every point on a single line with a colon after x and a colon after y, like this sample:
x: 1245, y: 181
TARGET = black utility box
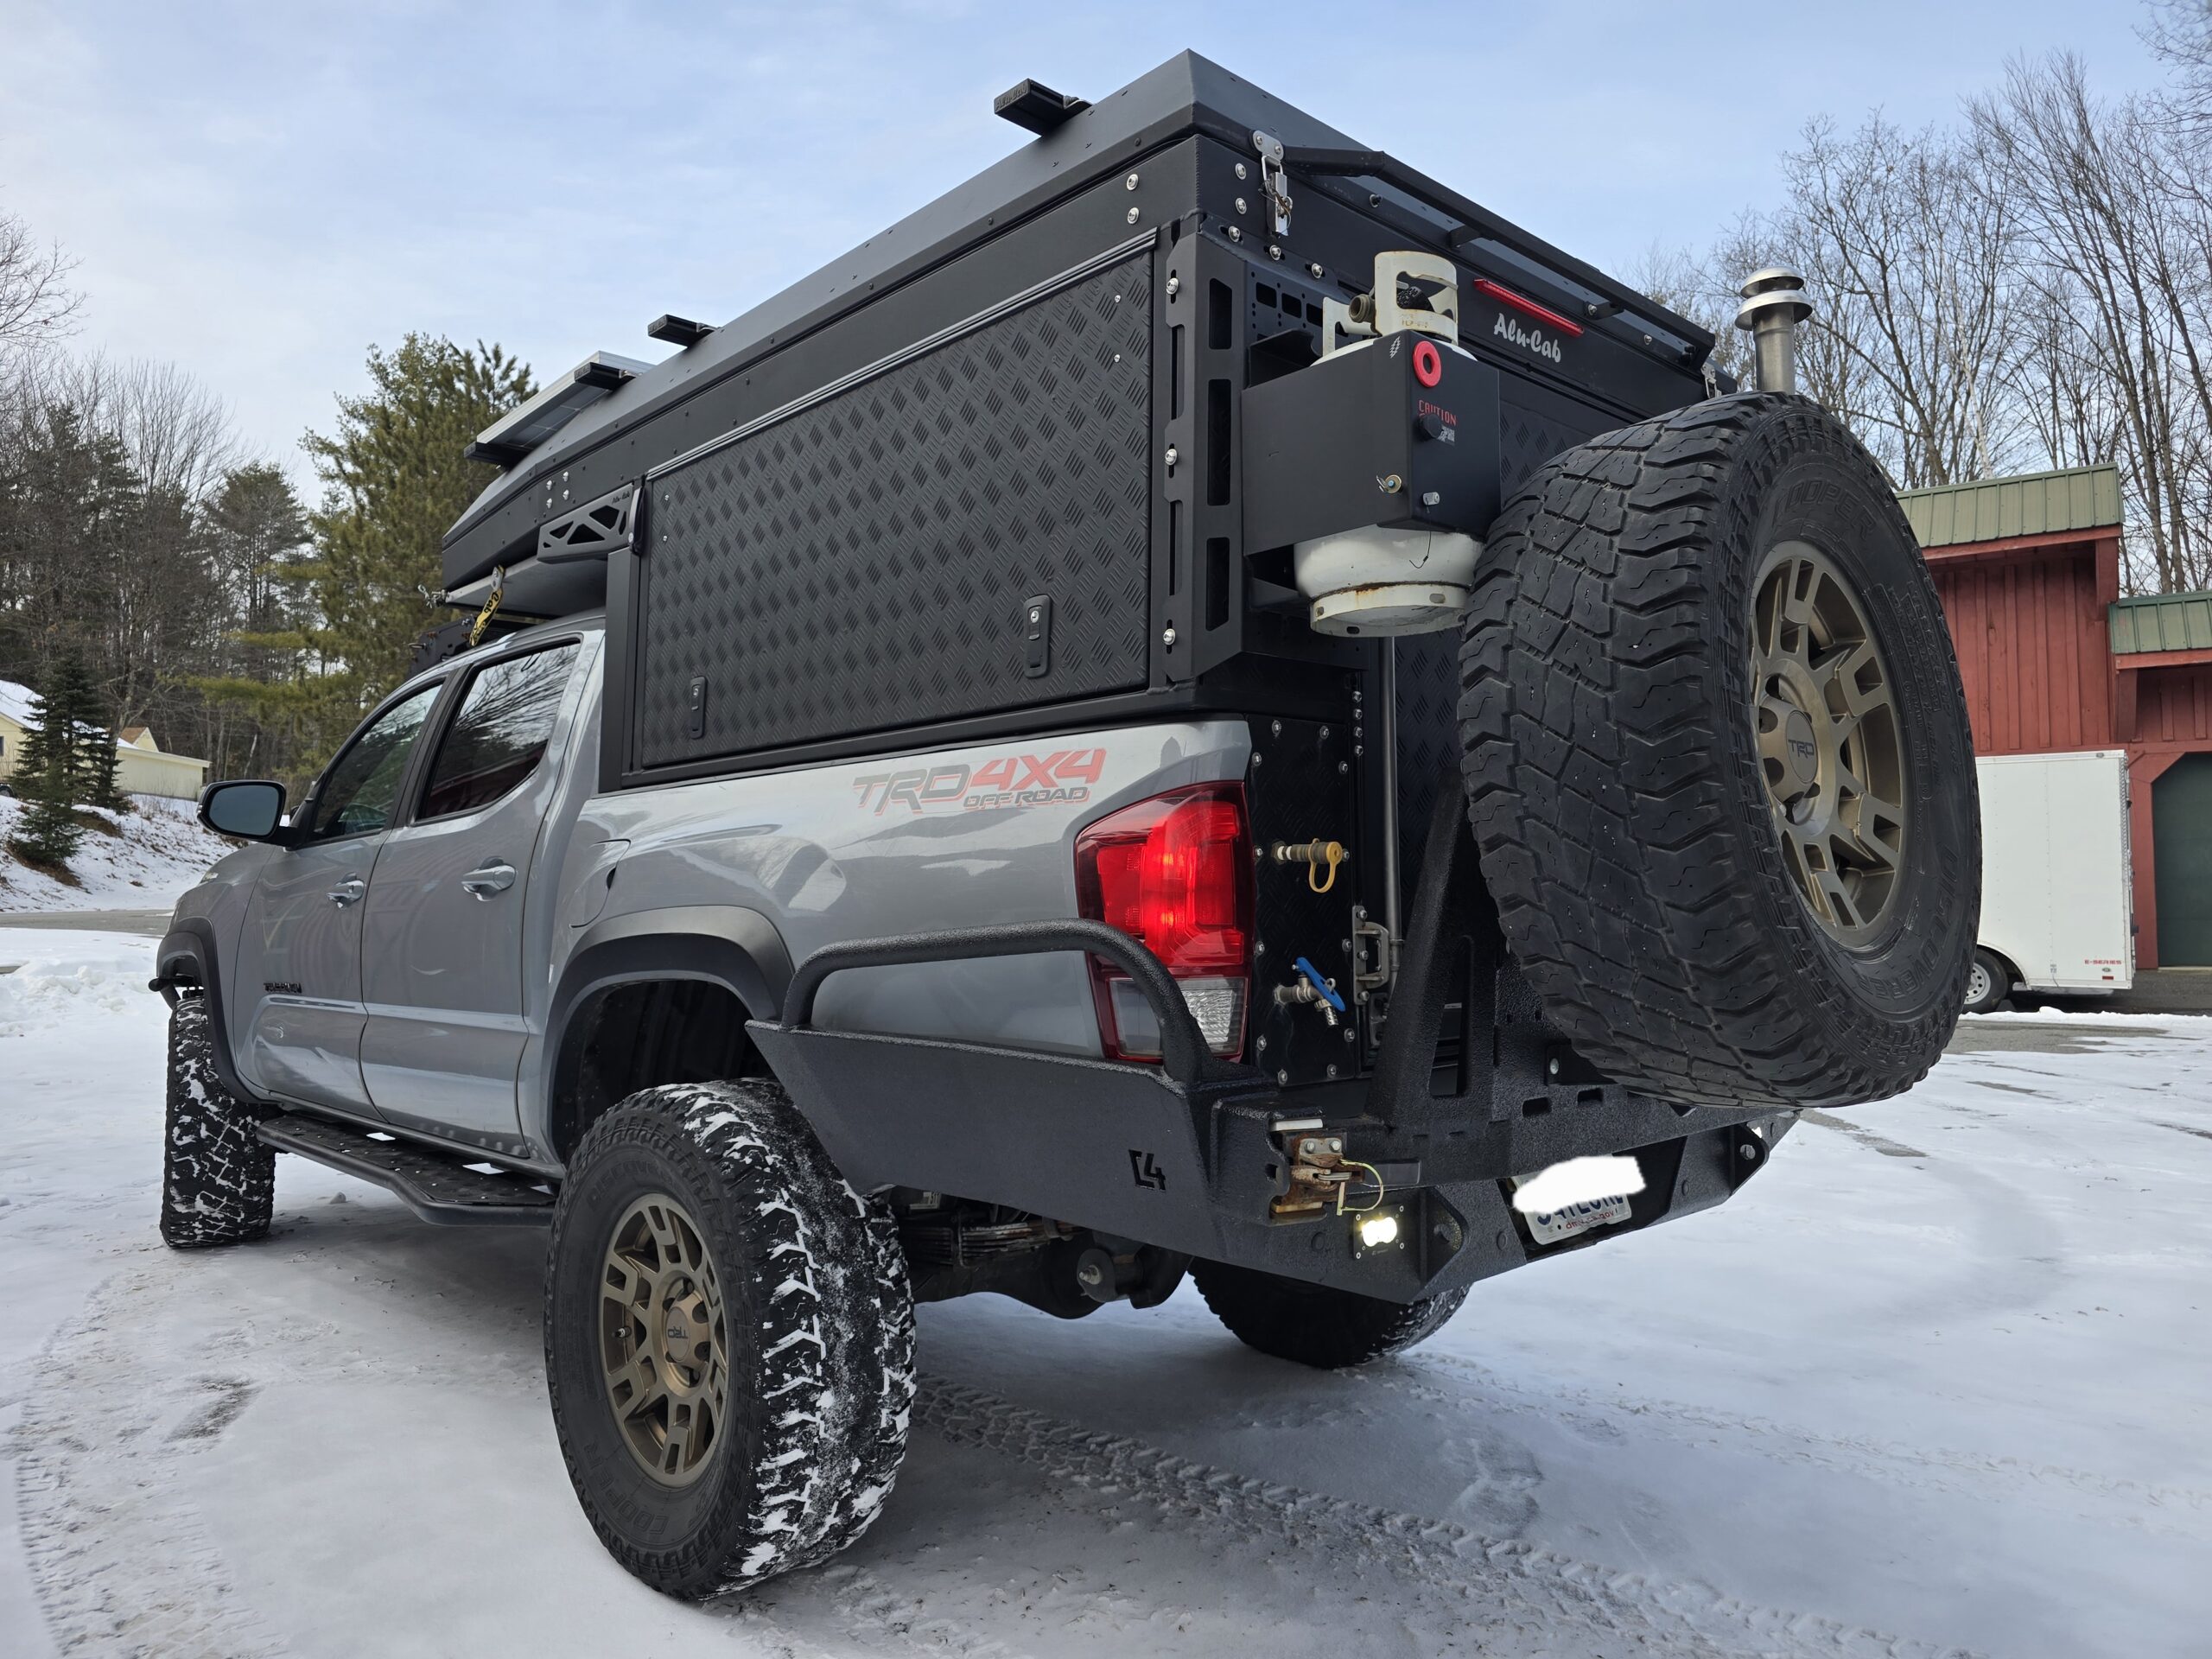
x: 1400, y: 432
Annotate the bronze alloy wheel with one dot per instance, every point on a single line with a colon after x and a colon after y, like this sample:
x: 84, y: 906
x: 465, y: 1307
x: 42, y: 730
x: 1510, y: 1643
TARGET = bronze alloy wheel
x: 664, y: 1340
x: 1829, y: 749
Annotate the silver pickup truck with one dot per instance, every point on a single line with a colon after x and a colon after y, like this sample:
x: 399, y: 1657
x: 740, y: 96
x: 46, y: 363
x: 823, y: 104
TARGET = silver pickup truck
x: 1312, y: 744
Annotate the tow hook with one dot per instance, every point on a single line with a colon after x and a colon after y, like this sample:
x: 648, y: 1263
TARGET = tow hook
x: 1320, y: 1174
x: 1312, y: 987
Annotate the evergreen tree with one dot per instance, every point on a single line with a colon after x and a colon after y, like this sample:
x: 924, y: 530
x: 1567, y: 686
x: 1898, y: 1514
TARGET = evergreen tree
x: 395, y: 480
x: 49, y: 773
x: 266, y: 688
x: 103, y: 769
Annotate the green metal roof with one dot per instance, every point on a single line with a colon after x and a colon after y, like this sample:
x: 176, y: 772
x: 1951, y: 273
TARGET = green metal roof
x: 2167, y: 622
x: 2030, y: 504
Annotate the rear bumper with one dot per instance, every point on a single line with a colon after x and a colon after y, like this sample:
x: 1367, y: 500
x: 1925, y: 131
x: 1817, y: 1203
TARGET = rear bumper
x: 1193, y: 1154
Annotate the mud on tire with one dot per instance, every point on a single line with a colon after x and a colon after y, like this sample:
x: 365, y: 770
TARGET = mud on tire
x: 1643, y: 799
x: 1314, y: 1324
x: 219, y: 1181
x: 816, y: 1319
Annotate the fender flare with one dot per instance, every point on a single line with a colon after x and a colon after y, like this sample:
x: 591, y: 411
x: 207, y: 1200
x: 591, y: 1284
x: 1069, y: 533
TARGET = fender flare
x: 186, y: 956
x: 729, y: 945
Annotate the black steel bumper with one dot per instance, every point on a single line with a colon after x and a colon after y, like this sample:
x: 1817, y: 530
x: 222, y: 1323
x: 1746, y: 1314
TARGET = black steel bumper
x: 1469, y: 1090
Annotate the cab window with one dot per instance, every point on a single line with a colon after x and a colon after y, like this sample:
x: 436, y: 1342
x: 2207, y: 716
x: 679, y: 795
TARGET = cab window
x: 497, y: 735
x: 361, y: 792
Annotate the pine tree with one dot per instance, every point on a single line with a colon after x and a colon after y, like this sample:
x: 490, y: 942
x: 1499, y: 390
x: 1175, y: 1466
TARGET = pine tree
x: 103, y: 769
x: 47, y: 777
x: 267, y: 686
x: 395, y: 480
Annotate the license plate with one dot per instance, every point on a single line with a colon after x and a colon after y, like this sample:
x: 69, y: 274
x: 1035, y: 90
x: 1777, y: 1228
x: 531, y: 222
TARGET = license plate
x: 1554, y: 1225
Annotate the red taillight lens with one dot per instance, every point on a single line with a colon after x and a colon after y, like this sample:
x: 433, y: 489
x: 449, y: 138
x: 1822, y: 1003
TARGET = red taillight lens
x: 1175, y: 873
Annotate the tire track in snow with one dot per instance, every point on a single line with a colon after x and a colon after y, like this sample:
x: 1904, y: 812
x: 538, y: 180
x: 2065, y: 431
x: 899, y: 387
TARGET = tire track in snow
x: 1932, y: 1467
x: 120, y: 1561
x: 1495, y: 1588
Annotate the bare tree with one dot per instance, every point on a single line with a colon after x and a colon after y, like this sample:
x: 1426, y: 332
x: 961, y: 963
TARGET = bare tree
x: 1907, y: 265
x: 37, y: 305
x: 2116, y: 234
x: 1906, y: 254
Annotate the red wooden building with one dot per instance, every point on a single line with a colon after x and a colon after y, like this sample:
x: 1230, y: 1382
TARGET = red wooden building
x: 2053, y: 659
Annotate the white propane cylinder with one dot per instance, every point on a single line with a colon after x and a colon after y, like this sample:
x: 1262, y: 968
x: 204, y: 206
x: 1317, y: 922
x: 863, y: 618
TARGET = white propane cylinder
x: 1376, y: 581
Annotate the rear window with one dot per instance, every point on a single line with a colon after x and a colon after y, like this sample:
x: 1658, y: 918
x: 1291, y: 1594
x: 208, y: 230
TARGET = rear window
x: 498, y: 735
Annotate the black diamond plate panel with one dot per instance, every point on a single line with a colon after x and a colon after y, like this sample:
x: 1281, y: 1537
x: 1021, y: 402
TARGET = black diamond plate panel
x: 862, y: 564
x: 1428, y: 664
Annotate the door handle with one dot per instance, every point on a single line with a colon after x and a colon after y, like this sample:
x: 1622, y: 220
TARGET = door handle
x: 348, y: 891
x: 483, y: 882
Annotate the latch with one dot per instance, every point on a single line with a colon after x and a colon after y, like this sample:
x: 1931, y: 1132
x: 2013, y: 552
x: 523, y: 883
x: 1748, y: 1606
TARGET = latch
x: 1274, y: 180
x: 1373, y: 957
x: 1320, y: 1174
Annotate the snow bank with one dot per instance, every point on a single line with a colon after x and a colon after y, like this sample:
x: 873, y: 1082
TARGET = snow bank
x: 90, y: 974
x: 163, y: 850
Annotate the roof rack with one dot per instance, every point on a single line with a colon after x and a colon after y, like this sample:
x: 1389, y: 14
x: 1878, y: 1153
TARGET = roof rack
x: 514, y: 434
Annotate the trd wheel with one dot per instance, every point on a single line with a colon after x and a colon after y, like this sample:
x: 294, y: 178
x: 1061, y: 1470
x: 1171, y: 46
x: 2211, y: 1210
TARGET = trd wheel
x: 219, y: 1181
x: 1988, y: 984
x: 1717, y: 760
x: 665, y: 1340
x: 729, y: 1339
x: 1315, y: 1324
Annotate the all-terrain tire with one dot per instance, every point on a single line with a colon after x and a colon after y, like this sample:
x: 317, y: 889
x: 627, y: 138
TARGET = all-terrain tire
x: 1314, y: 1324
x: 219, y: 1181
x: 1614, y: 773
x: 819, y: 1328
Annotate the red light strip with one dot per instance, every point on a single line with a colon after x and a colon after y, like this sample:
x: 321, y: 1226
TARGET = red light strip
x: 1521, y: 303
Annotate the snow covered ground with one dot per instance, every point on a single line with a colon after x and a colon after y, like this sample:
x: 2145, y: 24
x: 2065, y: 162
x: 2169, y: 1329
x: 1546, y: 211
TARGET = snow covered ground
x: 1937, y: 1380
x: 162, y: 849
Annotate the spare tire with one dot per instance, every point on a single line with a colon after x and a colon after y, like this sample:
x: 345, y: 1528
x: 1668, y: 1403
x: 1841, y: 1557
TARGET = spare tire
x: 1718, y: 763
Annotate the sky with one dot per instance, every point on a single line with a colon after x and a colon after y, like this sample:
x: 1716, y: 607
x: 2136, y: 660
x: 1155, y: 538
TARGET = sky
x: 260, y: 192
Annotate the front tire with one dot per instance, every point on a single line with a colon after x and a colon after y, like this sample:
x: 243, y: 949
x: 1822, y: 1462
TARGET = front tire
x: 219, y: 1181
x: 1314, y: 1324
x: 729, y: 1339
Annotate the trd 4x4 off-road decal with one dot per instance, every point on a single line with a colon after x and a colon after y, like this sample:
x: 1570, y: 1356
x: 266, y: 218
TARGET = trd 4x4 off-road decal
x: 1001, y: 781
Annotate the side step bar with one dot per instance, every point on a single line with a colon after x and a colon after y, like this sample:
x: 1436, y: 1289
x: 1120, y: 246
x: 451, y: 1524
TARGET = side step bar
x: 436, y: 1185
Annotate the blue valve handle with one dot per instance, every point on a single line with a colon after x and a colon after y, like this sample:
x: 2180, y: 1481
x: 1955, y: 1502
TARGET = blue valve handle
x: 1321, y: 986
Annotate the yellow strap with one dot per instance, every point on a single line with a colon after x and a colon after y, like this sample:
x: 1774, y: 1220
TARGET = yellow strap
x: 484, y: 617
x: 1332, y: 855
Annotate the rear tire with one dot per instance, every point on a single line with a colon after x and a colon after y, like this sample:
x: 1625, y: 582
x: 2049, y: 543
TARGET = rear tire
x: 219, y: 1181
x: 705, y: 1246
x: 1717, y: 761
x: 1989, y: 984
x: 1314, y: 1324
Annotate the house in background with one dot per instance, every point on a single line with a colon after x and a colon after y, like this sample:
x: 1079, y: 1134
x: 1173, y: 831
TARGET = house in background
x: 148, y: 769
x: 145, y: 767
x: 2053, y: 659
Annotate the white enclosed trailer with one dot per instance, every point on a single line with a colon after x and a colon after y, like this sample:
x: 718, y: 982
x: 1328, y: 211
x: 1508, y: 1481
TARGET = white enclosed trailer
x: 2057, y: 891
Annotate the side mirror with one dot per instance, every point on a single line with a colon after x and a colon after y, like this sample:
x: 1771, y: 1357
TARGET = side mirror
x: 251, y: 809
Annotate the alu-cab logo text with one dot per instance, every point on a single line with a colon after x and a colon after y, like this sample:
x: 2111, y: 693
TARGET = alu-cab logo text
x: 1528, y: 340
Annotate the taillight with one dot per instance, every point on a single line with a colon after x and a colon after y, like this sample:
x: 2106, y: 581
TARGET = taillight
x: 1175, y: 873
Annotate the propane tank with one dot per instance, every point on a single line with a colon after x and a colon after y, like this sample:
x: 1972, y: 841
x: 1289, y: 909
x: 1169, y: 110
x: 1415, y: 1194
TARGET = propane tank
x: 1376, y: 581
